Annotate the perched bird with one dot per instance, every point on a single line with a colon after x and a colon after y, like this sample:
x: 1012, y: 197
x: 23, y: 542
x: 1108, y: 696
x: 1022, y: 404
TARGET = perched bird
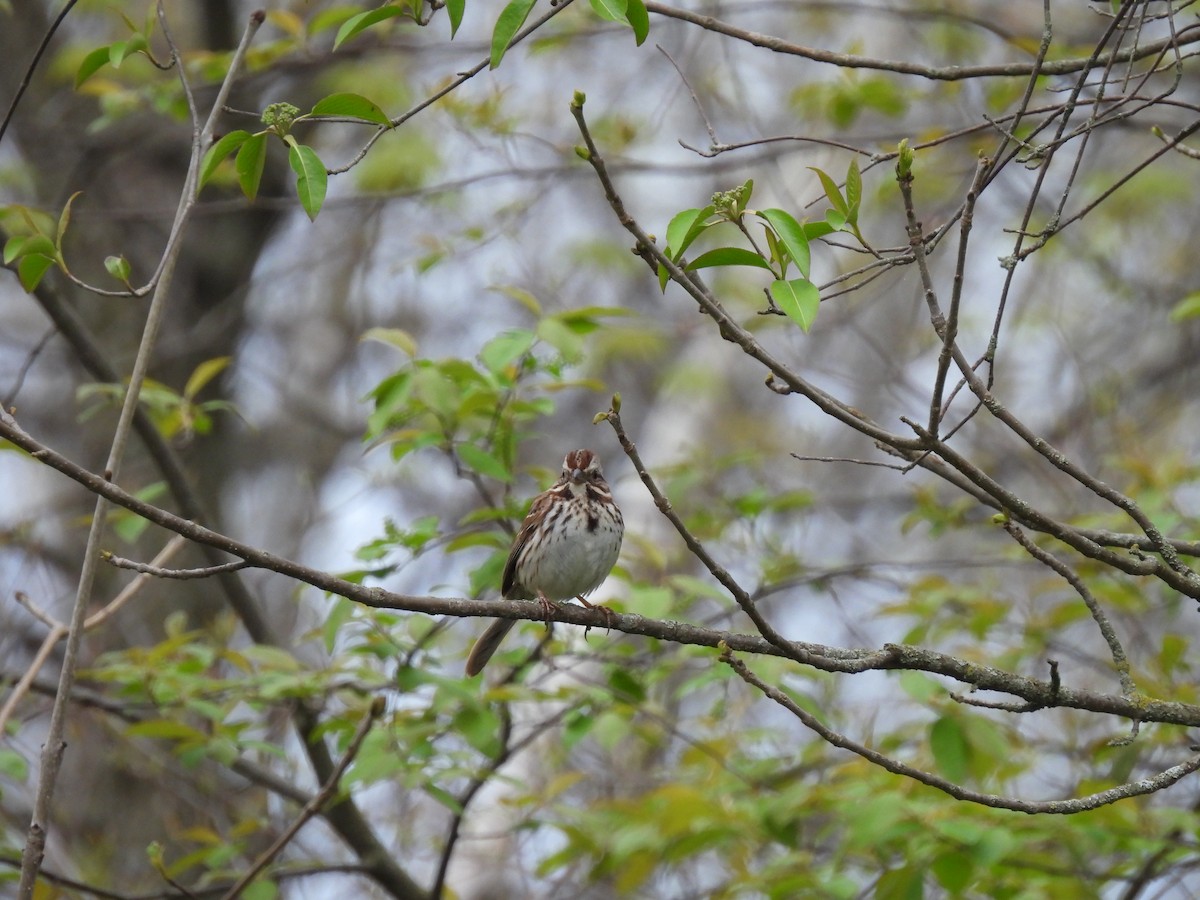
x: 566, y: 547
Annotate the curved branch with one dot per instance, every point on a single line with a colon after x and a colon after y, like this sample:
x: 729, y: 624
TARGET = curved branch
x: 934, y: 73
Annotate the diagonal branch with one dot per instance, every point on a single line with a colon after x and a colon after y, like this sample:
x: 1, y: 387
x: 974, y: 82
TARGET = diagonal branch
x: 1152, y: 785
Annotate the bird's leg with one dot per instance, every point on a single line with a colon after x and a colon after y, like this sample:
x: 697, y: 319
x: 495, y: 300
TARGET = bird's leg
x: 609, y: 616
x: 547, y: 609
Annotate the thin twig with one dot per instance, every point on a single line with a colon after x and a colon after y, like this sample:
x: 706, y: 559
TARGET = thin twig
x: 1056, y: 565
x: 33, y: 63
x: 179, y: 574
x: 1152, y: 785
x: 313, y: 806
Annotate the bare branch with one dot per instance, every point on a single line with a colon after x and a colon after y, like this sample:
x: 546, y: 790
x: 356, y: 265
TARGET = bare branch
x: 1159, y: 782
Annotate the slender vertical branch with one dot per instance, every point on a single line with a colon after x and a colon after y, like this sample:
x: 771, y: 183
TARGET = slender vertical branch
x: 55, y: 746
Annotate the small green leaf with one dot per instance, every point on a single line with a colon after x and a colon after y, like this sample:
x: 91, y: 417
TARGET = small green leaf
x: 30, y: 245
x: 561, y: 338
x: 218, y: 151
x: 31, y: 268
x: 13, y: 765
x: 353, y: 106
x: 799, y: 299
x: 954, y: 871
x: 92, y: 63
x: 505, y: 349
x: 363, y: 21
x: 64, y: 220
x: 455, y: 9
x: 791, y: 235
x: 853, y: 192
x: 814, y: 230
x: 625, y: 687
x: 13, y: 247
x: 835, y: 219
x: 612, y: 10
x: 684, y: 228
x: 311, y: 178
x: 1187, y: 308
x: 522, y: 296
x: 512, y: 17
x: 396, y: 337
x: 118, y: 267
x: 951, y: 752
x: 260, y: 889
x: 204, y: 373
x: 250, y: 162
x: 832, y: 191
x: 483, y: 462
x: 638, y: 20
x: 116, y: 54
x: 728, y: 256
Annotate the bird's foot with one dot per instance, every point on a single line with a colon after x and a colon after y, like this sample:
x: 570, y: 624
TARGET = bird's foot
x: 609, y: 616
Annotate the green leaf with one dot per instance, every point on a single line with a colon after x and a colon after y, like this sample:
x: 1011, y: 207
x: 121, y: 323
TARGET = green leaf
x: 455, y: 9
x: 954, y: 871
x: 31, y: 268
x: 204, y: 373
x: 250, y: 161
x: 906, y: 883
x: 363, y: 21
x: 684, y: 228
x: 116, y: 54
x: 505, y: 349
x: 13, y: 247
x: 638, y: 20
x: 260, y: 889
x: 814, y: 230
x: 832, y: 192
x: 64, y: 221
x: 853, y: 192
x: 351, y: 105
x: 118, y: 267
x: 481, y: 727
x: 483, y: 462
x: 791, y: 235
x: 169, y: 729
x: 562, y: 338
x: 396, y: 337
x: 13, y: 765
x: 799, y: 299
x: 512, y: 17
x: 311, y: 178
x: 612, y: 10
x: 1187, y: 308
x: 951, y: 752
x: 29, y: 245
x: 835, y: 219
x: 92, y: 63
x: 218, y: 151
x: 626, y: 687
x: 728, y: 256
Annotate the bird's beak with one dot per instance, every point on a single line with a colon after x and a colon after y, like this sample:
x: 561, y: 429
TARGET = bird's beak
x: 577, y: 475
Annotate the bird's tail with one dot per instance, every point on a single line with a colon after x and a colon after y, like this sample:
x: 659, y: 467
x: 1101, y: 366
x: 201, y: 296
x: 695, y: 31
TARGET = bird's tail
x: 487, y: 644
